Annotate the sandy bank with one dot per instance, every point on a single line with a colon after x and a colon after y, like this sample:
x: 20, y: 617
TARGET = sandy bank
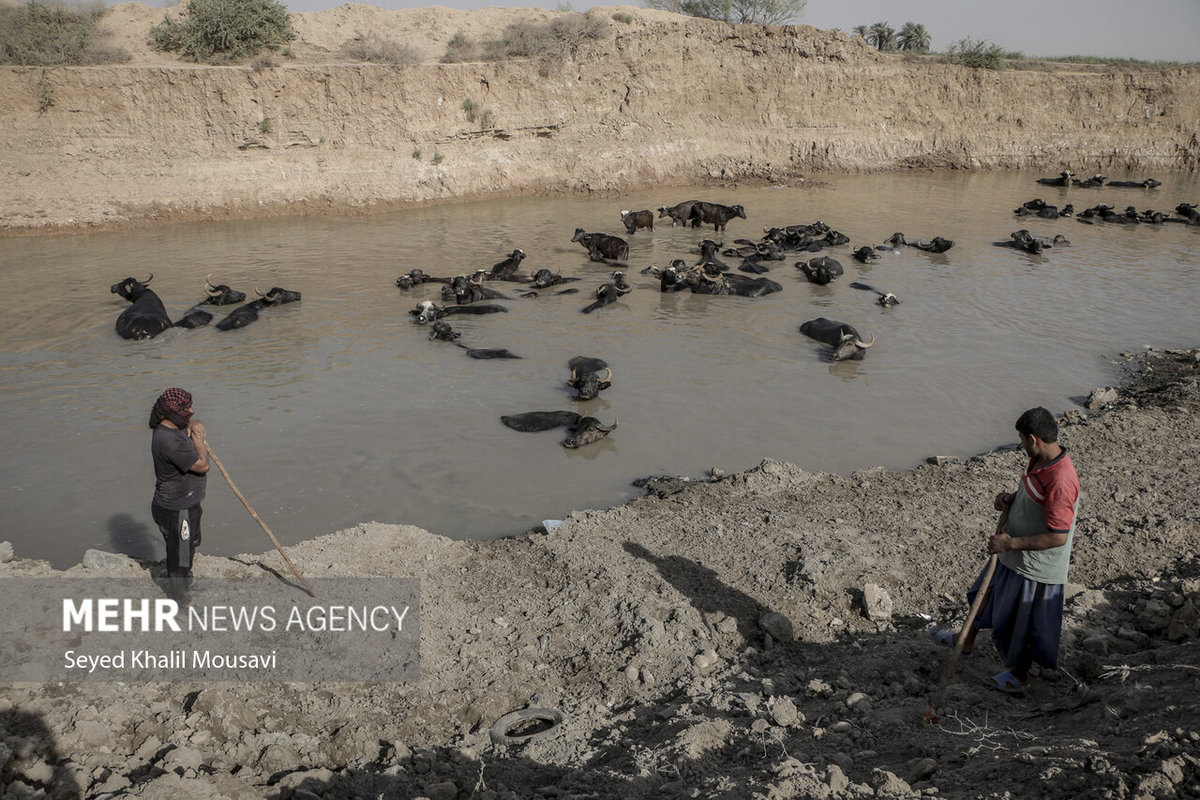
x: 658, y: 99
x: 645, y: 625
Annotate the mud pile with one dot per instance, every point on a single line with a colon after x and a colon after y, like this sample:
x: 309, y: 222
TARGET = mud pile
x: 761, y: 634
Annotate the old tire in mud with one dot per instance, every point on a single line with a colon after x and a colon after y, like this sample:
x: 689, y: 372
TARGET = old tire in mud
x: 525, y: 725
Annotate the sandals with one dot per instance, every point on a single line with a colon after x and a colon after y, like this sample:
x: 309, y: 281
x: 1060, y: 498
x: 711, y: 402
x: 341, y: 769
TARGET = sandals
x: 1007, y: 682
x: 946, y: 639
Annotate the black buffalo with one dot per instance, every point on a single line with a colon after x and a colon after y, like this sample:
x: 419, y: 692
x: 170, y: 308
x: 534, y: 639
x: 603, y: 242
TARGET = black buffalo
x: 1064, y: 179
x: 632, y: 220
x: 217, y: 295
x: 471, y: 290
x: 416, y: 277
x: 585, y: 376
x: 242, y: 316
x: 821, y: 271
x: 843, y: 338
x: 680, y: 213
x: 1148, y: 183
x: 507, y: 269
x: 1090, y: 183
x: 587, y: 431
x: 220, y: 294
x: 715, y: 214
x: 443, y: 332
x: 885, y: 299
x: 534, y: 421
x: 428, y: 311
x: 866, y: 254
x: 607, y: 293
x: 704, y: 282
x: 602, y: 244
x: 146, y: 317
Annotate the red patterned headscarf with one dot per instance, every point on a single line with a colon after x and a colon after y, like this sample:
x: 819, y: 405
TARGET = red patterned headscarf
x: 174, y: 405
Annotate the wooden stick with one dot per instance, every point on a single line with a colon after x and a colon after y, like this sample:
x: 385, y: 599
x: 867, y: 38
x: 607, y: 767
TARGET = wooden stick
x: 258, y: 519
x: 960, y: 639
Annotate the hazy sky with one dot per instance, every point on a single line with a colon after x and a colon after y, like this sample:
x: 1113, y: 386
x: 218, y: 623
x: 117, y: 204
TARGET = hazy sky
x: 1150, y: 30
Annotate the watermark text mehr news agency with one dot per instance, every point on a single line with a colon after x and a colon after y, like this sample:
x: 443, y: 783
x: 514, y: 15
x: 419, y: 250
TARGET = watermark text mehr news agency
x: 126, y: 615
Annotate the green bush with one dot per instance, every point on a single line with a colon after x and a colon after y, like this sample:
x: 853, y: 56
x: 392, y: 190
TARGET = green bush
x: 38, y: 34
x: 976, y: 54
x: 374, y: 49
x: 217, y: 31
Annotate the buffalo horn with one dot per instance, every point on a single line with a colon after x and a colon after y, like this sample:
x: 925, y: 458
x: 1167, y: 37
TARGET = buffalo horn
x: 571, y: 380
x: 608, y: 376
x: 149, y: 279
x: 258, y: 292
x: 860, y: 343
x: 610, y: 428
x: 211, y: 290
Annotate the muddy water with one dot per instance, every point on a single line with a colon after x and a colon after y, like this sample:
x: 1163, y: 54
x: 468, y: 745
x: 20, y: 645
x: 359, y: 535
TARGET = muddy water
x: 340, y: 410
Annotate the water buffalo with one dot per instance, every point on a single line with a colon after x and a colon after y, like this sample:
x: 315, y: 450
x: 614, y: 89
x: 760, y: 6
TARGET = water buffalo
x: 715, y: 214
x: 585, y: 376
x: 885, y: 299
x: 428, y: 311
x: 1041, y: 208
x: 471, y: 290
x: 680, y: 213
x: 1064, y: 179
x: 607, y: 293
x: 220, y: 294
x: 606, y: 246
x: 242, y: 316
x: 843, y: 338
x: 706, y: 282
x: 587, y: 431
x: 146, y: 317
x: 1187, y: 213
x: 217, y: 295
x: 1032, y: 243
x: 443, y: 332
x: 632, y: 220
x: 507, y: 268
x: 866, y: 254
x: 821, y: 271
x: 416, y: 277
x: 1148, y: 183
x: 534, y: 421
x: 708, y: 257
x: 1090, y: 183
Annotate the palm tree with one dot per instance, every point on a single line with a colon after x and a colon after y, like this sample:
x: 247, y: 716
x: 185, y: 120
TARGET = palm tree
x: 882, y: 36
x: 861, y: 30
x: 913, y: 37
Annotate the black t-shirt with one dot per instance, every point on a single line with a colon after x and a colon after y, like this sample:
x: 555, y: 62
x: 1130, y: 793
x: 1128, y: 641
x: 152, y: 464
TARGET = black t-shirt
x: 174, y: 487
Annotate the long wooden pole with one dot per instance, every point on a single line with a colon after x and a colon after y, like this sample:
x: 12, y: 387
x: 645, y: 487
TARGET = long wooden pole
x: 960, y: 639
x: 258, y: 519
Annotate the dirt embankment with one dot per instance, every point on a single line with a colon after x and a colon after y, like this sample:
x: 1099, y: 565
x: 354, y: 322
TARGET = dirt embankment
x: 658, y: 99
x: 758, y: 635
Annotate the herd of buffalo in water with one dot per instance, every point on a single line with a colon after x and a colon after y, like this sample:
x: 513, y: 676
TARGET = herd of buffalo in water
x: 146, y: 315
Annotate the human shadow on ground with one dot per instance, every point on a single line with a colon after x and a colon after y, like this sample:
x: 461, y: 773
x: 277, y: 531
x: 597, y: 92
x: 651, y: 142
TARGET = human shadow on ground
x: 35, y: 762
x: 131, y: 537
x: 707, y: 593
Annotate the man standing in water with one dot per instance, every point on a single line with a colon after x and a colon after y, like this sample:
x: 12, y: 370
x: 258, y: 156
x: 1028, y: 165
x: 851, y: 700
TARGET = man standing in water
x: 179, y: 448
x: 1024, y: 603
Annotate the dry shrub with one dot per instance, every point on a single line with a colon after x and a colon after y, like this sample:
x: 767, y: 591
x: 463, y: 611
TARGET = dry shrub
x: 38, y: 34
x: 547, y: 42
x: 375, y: 49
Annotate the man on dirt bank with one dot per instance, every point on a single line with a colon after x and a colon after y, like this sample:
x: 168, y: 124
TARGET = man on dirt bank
x: 179, y: 448
x: 1024, y: 603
